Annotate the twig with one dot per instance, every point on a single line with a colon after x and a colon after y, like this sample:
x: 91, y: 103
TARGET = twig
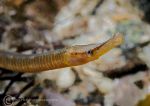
x: 97, y: 6
x: 131, y: 67
x: 25, y: 88
x: 11, y: 82
x: 24, y: 79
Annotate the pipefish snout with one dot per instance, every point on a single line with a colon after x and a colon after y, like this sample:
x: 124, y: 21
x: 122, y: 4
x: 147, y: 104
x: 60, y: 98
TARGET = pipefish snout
x: 81, y: 54
x: 66, y: 57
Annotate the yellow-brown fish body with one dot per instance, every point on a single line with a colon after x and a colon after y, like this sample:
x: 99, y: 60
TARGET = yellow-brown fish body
x: 66, y: 57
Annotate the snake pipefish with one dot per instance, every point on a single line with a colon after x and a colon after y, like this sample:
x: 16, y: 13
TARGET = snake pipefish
x: 66, y: 57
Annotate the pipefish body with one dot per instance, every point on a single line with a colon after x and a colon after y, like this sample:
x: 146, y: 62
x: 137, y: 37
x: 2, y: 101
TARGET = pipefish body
x: 66, y: 57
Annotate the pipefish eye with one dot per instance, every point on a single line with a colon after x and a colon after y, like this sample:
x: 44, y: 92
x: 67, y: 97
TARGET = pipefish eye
x: 90, y: 52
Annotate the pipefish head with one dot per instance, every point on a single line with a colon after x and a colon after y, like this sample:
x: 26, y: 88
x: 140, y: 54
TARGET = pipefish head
x: 81, y: 54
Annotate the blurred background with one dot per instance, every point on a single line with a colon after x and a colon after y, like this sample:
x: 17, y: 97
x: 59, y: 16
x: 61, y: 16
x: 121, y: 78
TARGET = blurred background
x: 121, y: 77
